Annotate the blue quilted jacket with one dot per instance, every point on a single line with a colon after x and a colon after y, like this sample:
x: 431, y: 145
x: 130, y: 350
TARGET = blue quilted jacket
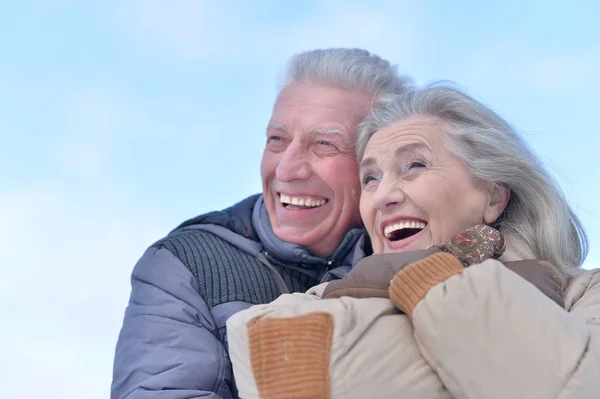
x: 173, y: 342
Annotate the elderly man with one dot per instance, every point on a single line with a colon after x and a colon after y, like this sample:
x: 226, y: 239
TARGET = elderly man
x: 304, y: 229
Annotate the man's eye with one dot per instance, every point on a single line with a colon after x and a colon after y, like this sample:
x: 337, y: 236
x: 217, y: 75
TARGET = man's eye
x: 276, y: 143
x: 324, y: 142
x: 274, y: 138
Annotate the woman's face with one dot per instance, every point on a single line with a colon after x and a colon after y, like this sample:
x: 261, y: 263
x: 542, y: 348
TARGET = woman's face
x: 416, y: 193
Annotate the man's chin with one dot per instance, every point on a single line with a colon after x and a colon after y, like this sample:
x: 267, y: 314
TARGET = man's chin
x: 305, y: 236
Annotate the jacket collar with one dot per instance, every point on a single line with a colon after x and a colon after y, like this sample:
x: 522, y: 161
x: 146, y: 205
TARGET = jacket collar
x: 350, y: 250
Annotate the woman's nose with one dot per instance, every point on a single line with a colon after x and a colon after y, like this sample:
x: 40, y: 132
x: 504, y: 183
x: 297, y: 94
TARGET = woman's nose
x: 388, y: 196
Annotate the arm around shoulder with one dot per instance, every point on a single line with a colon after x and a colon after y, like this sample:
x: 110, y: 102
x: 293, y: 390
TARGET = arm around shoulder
x: 168, y: 347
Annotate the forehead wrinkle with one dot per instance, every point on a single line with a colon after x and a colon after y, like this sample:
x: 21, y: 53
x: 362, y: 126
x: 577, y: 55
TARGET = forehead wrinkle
x: 402, y: 150
x: 402, y: 141
x: 413, y: 129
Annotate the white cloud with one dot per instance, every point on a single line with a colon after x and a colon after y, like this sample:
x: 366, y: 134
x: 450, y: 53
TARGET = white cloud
x: 392, y: 28
x: 565, y: 74
x: 69, y: 243
x: 94, y: 122
x: 66, y: 267
x: 219, y: 32
x: 512, y: 60
x: 185, y: 28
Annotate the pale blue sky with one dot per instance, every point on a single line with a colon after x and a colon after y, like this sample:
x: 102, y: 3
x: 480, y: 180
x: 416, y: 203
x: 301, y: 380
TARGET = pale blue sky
x: 120, y: 119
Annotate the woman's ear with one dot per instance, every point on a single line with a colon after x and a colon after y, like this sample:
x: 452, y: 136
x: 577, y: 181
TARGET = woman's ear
x: 499, y: 194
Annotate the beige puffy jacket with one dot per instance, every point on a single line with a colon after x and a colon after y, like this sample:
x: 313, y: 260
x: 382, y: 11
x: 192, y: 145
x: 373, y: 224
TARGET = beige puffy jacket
x: 474, y: 333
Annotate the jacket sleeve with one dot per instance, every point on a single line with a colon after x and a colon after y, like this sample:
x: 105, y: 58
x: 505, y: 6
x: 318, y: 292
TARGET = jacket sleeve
x: 489, y: 333
x: 300, y: 346
x: 168, y: 347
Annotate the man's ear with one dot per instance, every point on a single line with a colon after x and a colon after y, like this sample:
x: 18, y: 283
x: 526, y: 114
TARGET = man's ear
x: 499, y: 194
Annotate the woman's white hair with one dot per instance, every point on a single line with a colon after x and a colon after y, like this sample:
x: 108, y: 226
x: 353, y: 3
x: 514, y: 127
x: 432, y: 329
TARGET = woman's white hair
x: 537, y: 222
x: 350, y: 69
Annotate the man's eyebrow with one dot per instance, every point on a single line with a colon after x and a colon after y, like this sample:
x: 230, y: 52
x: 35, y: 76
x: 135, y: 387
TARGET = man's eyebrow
x: 320, y: 130
x: 277, y: 126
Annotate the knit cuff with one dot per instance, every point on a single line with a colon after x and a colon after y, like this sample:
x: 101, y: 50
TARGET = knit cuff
x: 410, y: 285
x: 290, y: 356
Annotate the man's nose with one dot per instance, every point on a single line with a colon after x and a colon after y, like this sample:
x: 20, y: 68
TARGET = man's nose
x: 294, y: 164
x: 388, y: 196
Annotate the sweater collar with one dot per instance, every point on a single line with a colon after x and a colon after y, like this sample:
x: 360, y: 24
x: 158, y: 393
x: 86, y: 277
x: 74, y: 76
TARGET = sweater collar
x: 348, y: 252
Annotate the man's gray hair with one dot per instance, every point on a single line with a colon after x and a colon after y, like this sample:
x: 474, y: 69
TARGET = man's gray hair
x: 348, y: 68
x: 537, y: 222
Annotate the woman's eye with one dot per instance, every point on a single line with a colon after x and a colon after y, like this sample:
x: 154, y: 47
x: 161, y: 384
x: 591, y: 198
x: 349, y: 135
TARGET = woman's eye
x: 367, y: 179
x: 416, y: 164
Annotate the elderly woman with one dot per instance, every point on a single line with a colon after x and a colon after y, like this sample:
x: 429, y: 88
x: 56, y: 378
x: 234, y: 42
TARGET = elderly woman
x: 474, y: 290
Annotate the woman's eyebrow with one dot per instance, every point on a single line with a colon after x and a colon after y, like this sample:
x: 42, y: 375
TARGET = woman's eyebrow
x: 406, y: 149
x: 366, y: 162
x: 400, y: 152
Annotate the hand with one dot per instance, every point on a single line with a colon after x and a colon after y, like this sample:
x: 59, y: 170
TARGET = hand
x: 371, y: 277
x: 474, y: 245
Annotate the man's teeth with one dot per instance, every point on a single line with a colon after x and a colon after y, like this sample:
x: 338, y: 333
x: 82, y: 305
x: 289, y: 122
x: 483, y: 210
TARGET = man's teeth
x: 389, y: 229
x: 299, y: 201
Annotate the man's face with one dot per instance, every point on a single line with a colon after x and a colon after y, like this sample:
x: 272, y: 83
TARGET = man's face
x: 309, y: 169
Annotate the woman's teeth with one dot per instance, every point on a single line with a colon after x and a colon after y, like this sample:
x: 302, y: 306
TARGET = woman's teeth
x: 394, y: 231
